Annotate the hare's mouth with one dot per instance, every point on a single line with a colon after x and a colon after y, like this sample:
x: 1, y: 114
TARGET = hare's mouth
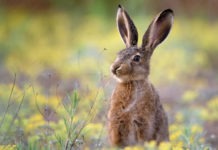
x: 119, y: 72
x: 122, y: 78
x: 119, y: 75
x: 122, y: 75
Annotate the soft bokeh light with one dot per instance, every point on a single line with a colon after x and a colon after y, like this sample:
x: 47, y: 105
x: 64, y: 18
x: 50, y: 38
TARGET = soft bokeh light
x: 55, y: 81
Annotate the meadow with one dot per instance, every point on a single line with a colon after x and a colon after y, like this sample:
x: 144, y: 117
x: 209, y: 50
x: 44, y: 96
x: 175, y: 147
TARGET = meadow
x: 55, y: 81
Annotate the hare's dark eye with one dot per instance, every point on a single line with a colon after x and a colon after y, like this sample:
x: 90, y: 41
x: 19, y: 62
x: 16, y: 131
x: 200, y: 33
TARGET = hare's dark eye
x: 136, y: 58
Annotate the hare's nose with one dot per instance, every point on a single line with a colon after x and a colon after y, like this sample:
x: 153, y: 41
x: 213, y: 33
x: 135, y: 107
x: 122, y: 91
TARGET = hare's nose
x: 114, y: 69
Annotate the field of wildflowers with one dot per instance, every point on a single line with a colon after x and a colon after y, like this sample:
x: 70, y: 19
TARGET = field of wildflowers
x: 55, y: 82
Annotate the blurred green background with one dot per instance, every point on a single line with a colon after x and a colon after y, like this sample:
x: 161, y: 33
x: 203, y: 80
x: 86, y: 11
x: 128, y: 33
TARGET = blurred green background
x: 57, y: 54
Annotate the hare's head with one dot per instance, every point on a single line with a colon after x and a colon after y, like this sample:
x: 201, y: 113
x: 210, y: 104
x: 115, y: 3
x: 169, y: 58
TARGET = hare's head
x: 132, y: 63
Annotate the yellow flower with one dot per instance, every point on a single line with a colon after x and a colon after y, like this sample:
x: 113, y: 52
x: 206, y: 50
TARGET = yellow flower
x: 212, y: 107
x: 177, y: 147
x: 54, y: 102
x: 150, y: 145
x: 128, y: 148
x: 213, y: 103
x: 59, y: 127
x: 175, y: 135
x: 137, y: 147
x: 196, y: 129
x: 8, y: 147
x: 34, y: 122
x: 93, y: 130
x: 39, y: 99
x: 204, y: 113
x: 189, y: 96
x: 165, y: 146
x: 173, y: 127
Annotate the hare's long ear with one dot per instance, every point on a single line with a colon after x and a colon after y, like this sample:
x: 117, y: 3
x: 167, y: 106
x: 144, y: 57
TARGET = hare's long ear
x: 126, y: 27
x: 158, y: 30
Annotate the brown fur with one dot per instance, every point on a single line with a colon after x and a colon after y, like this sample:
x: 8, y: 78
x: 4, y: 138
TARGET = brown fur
x: 136, y: 114
x: 132, y: 122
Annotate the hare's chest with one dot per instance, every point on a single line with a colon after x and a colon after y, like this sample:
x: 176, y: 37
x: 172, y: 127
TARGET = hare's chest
x: 137, y: 102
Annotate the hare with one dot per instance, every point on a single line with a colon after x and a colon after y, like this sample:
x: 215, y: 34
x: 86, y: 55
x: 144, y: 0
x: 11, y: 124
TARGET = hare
x: 136, y: 114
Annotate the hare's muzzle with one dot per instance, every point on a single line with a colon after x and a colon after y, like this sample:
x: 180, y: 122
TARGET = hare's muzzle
x: 114, y: 69
x: 120, y: 69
